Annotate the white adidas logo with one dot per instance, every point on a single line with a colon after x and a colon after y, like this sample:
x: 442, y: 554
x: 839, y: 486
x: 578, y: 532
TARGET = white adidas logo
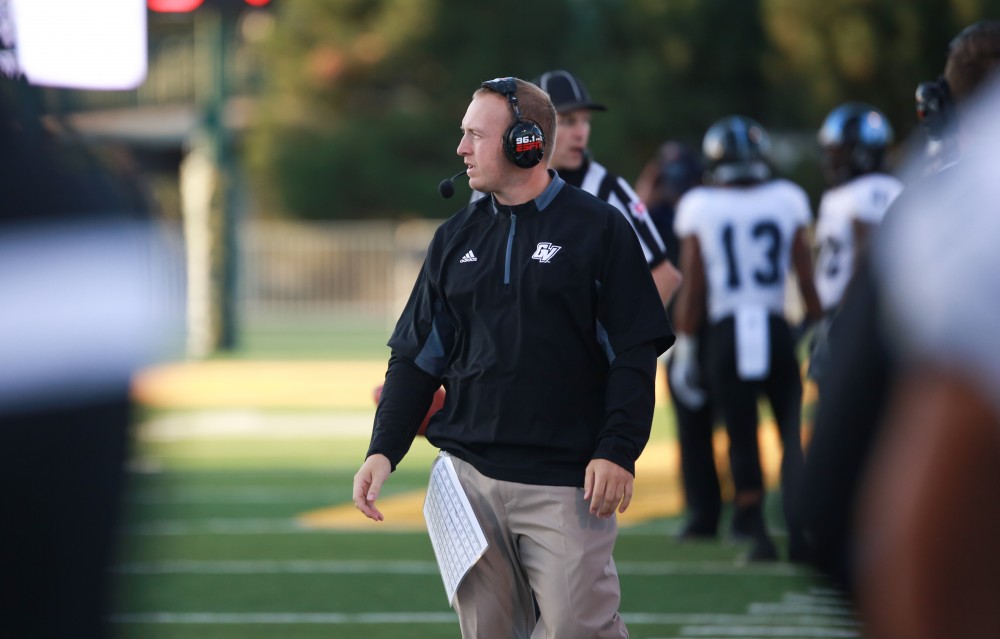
x: 468, y: 257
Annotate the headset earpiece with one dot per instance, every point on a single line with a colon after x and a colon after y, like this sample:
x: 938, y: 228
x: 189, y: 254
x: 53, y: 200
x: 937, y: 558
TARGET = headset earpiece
x: 523, y: 141
x: 523, y: 144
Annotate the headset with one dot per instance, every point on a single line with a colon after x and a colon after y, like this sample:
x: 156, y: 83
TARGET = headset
x: 523, y: 142
x: 935, y: 105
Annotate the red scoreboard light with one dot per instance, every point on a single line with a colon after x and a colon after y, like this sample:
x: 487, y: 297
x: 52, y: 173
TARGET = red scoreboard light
x: 187, y: 6
x: 173, y: 6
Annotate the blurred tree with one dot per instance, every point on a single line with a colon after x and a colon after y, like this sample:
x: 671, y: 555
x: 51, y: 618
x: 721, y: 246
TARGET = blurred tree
x: 360, y: 113
x: 686, y: 64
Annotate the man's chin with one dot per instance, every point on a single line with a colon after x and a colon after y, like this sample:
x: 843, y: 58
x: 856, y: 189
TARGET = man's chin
x: 573, y: 163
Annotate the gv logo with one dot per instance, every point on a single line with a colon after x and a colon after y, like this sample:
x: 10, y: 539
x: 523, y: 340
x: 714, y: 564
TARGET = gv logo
x: 545, y: 251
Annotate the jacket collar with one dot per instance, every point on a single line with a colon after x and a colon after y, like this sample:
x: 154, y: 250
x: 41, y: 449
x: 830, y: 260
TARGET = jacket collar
x: 543, y: 200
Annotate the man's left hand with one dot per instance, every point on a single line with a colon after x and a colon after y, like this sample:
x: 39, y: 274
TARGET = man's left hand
x: 608, y: 486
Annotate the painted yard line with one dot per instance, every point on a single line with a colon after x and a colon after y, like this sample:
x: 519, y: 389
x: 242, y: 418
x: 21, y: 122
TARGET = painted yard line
x: 306, y: 566
x: 798, y: 609
x: 746, y: 632
x: 738, y: 620
x: 285, y: 618
x: 694, y: 625
x: 231, y: 526
x: 709, y: 568
x: 242, y: 495
x: 817, y: 599
x: 265, y: 567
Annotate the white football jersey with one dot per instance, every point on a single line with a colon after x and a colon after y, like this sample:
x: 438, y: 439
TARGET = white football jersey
x: 865, y: 199
x: 745, y: 234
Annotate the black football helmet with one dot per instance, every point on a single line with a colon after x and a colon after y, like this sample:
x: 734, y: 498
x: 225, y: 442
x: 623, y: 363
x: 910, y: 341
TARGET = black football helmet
x: 737, y: 150
x: 854, y: 138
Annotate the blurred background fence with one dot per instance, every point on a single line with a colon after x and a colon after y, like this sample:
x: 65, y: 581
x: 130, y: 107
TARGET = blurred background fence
x: 339, y: 272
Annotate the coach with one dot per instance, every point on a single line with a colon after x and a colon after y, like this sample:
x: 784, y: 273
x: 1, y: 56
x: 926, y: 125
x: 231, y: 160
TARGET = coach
x: 536, y: 310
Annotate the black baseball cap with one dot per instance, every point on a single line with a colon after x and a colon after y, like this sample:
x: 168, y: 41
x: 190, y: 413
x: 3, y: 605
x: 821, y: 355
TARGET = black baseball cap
x: 567, y: 92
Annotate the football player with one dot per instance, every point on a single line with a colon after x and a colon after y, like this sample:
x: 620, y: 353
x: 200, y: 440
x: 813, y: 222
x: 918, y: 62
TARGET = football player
x: 740, y: 236
x: 854, y: 139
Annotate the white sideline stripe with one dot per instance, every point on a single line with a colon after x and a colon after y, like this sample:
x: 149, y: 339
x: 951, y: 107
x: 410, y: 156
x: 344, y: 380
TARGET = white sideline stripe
x: 218, y: 527
x: 231, y: 496
x: 306, y: 566
x: 693, y: 625
x: 797, y: 609
x: 708, y: 568
x: 279, y: 567
x: 745, y: 632
x: 289, y: 618
x: 817, y: 599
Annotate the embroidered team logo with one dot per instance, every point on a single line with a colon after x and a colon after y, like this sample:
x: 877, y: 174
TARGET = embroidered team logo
x: 545, y: 251
x: 468, y: 257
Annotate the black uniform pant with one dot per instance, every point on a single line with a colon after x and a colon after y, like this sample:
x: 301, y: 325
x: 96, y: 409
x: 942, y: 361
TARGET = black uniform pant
x: 695, y: 430
x: 737, y: 402
x: 61, y: 476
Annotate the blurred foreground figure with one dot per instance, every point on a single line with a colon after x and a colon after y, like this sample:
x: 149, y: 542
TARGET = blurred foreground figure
x: 85, y: 299
x: 929, y: 515
x: 900, y: 500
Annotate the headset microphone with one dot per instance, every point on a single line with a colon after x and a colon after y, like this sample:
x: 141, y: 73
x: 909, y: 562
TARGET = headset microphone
x: 446, y: 188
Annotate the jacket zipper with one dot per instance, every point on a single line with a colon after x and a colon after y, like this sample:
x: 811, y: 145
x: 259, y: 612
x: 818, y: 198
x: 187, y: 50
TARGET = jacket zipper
x: 510, y: 247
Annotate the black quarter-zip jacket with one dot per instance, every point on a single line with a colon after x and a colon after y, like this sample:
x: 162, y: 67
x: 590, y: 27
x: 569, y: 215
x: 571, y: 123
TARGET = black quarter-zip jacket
x: 543, y: 323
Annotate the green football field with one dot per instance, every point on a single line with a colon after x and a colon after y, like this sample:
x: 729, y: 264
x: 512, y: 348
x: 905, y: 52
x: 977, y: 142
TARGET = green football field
x: 218, y: 542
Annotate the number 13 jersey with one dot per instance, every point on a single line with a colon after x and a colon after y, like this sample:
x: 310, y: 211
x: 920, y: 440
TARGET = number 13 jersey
x: 865, y: 199
x: 745, y: 234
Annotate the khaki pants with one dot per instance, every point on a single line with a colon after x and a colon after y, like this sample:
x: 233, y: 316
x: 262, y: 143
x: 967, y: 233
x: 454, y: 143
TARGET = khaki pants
x: 544, y: 547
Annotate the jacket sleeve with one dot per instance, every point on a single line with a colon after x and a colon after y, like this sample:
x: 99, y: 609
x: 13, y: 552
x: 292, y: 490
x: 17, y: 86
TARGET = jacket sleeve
x: 406, y: 397
x: 630, y: 399
x: 420, y: 344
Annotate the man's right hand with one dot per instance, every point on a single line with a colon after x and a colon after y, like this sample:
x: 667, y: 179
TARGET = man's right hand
x: 368, y: 482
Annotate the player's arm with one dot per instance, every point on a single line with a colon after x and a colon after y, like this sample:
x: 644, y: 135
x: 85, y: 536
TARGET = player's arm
x: 690, y: 304
x: 646, y: 181
x: 802, y: 263
x: 667, y: 279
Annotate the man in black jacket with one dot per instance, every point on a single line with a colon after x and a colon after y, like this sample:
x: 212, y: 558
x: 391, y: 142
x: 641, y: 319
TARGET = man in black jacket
x: 536, y: 310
